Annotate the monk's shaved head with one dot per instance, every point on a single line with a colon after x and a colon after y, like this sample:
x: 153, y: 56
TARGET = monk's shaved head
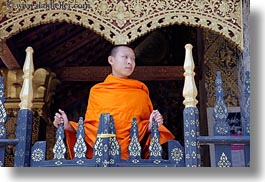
x: 115, y: 49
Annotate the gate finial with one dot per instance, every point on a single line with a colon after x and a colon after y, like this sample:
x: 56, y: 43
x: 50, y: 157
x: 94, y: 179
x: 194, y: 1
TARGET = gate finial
x: 189, y: 89
x: 26, y: 94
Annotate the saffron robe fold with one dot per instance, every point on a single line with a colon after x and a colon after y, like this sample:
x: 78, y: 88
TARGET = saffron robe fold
x: 123, y: 99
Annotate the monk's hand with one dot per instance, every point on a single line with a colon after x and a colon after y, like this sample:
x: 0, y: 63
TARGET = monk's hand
x: 155, y: 115
x: 61, y: 117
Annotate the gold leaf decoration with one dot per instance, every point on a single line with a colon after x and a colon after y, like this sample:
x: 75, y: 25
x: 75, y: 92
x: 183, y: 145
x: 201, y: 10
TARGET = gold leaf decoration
x: 124, y: 21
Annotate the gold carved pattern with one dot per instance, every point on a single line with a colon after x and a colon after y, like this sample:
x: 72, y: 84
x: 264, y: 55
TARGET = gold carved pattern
x: 50, y: 138
x: 11, y: 122
x: 221, y: 56
x: 1, y: 42
x: 124, y: 21
x: 10, y: 126
x: 44, y: 85
x: 35, y: 125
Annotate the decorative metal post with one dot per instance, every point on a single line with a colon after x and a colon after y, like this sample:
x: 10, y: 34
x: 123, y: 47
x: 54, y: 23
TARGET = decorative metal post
x: 59, y: 148
x: 106, y: 147
x: 190, y: 113
x: 134, y: 146
x: 221, y: 127
x: 155, y: 148
x: 24, y: 122
x: 80, y: 145
x: 3, y: 118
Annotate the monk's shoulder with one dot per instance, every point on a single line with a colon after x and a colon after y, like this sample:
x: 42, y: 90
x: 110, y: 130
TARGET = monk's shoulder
x: 142, y: 85
x: 96, y: 86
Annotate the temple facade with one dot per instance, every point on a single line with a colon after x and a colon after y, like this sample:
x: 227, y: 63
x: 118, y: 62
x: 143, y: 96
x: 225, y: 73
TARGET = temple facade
x: 71, y: 41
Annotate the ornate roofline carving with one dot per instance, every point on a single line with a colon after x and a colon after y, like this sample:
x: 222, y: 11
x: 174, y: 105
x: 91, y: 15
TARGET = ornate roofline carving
x: 124, y: 21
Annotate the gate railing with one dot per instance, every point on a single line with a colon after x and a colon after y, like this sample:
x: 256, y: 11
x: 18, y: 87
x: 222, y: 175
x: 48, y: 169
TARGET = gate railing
x: 222, y: 139
x: 22, y: 142
x: 106, y: 148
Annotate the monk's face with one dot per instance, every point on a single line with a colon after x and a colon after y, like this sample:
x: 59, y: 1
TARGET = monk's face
x: 122, y: 62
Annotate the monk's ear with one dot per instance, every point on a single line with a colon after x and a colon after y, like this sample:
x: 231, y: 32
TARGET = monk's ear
x: 110, y: 60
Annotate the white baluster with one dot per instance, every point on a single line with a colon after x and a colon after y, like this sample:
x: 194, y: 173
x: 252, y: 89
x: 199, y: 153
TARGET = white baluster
x: 26, y: 94
x: 189, y: 90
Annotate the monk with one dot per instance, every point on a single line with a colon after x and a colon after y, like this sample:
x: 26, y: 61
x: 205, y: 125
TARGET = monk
x: 123, y: 98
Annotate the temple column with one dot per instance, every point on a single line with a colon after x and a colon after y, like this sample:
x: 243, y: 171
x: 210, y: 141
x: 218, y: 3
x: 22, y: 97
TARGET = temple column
x: 244, y: 76
x: 244, y: 65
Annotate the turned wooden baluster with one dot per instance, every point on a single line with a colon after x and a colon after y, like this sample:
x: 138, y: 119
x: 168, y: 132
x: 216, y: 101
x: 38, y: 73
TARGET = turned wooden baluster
x: 190, y: 113
x: 24, y: 122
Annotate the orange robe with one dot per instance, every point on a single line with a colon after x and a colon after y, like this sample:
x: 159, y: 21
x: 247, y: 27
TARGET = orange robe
x: 123, y: 99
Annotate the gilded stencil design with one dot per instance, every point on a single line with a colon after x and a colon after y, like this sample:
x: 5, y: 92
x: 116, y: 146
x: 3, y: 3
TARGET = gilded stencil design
x: 155, y: 148
x: 220, y: 56
x: 124, y: 21
x: 80, y: 145
x: 224, y: 162
x: 59, y: 148
x: 114, y: 146
x: 98, y: 147
x: 37, y: 155
x: 134, y: 146
x: 2, y: 131
x: 177, y: 154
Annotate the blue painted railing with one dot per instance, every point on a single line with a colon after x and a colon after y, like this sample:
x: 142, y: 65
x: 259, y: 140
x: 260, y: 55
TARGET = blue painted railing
x: 222, y: 138
x: 23, y: 133
x: 3, y: 118
x: 107, y: 150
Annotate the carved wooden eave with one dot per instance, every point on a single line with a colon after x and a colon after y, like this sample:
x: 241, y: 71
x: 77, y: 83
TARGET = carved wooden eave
x: 121, y: 22
x: 8, y: 58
